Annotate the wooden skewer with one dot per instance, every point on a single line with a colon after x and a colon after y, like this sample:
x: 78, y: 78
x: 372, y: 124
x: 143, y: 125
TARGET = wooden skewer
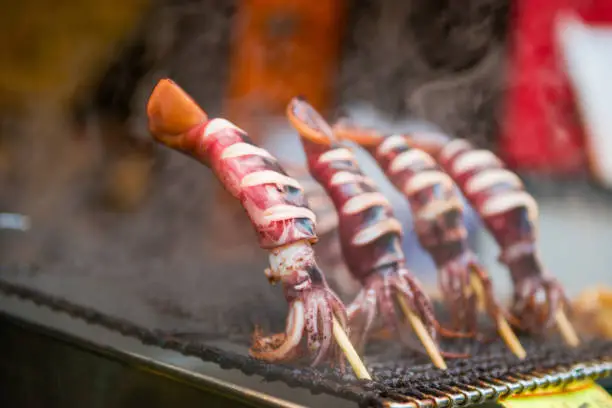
x: 426, y: 340
x: 566, y: 329
x: 506, y: 333
x: 476, y: 286
x: 503, y: 328
x: 349, y: 351
x: 415, y: 322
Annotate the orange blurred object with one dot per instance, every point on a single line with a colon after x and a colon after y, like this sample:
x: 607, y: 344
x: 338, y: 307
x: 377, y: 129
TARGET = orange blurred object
x: 282, y: 48
x: 592, y: 312
x: 172, y: 111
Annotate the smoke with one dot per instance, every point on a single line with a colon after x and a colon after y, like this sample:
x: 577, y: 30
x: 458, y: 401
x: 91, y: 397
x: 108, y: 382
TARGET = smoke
x: 153, y: 265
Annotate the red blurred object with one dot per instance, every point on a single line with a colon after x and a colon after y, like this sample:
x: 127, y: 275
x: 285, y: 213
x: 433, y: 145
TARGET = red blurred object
x: 541, y: 129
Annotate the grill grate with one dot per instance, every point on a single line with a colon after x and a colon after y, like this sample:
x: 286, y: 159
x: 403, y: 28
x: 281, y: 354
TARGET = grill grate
x: 491, y: 374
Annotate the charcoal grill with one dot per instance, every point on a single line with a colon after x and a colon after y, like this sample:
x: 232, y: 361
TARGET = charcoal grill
x: 46, y: 339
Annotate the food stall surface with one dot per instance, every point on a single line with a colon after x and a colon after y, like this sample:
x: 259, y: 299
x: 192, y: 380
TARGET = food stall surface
x: 54, y: 342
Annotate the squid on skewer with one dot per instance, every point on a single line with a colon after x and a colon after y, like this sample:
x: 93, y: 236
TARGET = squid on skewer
x: 440, y: 227
x: 278, y: 211
x: 318, y: 200
x: 329, y: 251
x: 370, y: 235
x: 509, y: 213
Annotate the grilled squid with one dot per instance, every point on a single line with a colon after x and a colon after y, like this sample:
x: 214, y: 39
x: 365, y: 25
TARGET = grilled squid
x: 329, y: 251
x: 440, y: 227
x: 507, y: 210
x: 370, y: 235
x: 510, y: 214
x: 318, y: 200
x: 277, y: 208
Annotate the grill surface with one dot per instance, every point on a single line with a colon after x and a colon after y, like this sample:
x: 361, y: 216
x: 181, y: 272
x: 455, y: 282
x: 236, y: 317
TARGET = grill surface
x: 403, y: 379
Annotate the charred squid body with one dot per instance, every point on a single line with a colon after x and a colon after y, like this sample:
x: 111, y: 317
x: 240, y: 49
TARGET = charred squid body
x: 440, y: 226
x: 277, y: 209
x: 508, y: 211
x: 510, y: 214
x: 370, y: 236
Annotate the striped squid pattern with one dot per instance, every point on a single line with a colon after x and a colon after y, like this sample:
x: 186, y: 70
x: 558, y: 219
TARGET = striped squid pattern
x: 370, y: 235
x: 329, y: 250
x: 279, y: 213
x: 274, y: 202
x: 510, y: 213
x: 439, y: 224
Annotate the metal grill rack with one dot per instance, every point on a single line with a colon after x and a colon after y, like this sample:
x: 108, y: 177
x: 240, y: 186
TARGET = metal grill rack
x: 489, y: 376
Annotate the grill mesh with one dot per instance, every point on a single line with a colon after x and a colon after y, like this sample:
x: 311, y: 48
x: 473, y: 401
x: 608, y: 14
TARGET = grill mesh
x: 490, y: 374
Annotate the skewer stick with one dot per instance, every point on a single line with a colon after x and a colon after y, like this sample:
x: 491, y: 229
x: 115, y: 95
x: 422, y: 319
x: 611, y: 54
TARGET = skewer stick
x: 503, y: 328
x: 566, y: 329
x: 506, y: 333
x: 349, y: 351
x: 476, y: 286
x: 421, y: 332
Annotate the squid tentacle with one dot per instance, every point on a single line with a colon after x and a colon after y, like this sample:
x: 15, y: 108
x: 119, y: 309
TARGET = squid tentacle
x: 312, y: 325
x: 337, y: 307
x: 275, y: 204
x: 438, y: 213
x: 290, y: 339
x: 355, y: 307
x: 492, y: 306
x: 326, y: 332
x: 412, y: 291
x: 364, y: 313
x: 510, y: 214
x: 370, y: 235
x: 426, y: 309
x: 388, y: 304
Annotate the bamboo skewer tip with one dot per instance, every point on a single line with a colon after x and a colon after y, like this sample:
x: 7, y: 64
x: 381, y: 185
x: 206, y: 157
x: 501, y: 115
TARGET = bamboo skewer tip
x: 349, y: 351
x: 567, y: 330
x: 506, y: 333
x: 421, y: 332
x: 503, y: 327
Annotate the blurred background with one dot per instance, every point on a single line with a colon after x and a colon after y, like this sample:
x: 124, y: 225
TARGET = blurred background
x: 115, y: 222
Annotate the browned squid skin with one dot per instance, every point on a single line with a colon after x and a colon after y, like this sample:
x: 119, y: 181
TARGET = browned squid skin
x: 514, y: 229
x: 329, y: 250
x: 278, y: 211
x: 510, y: 214
x: 369, y: 233
x: 440, y: 226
